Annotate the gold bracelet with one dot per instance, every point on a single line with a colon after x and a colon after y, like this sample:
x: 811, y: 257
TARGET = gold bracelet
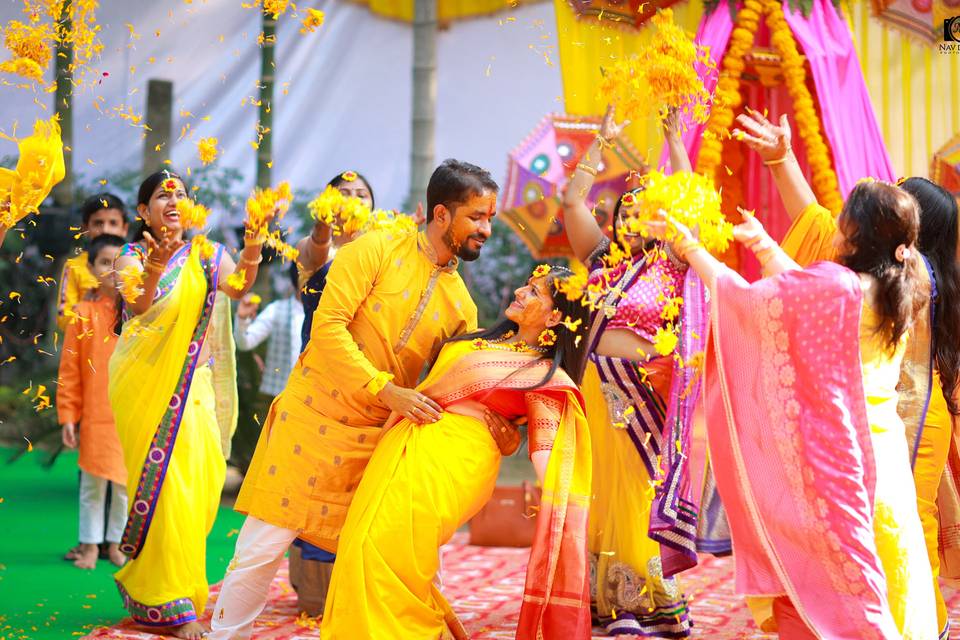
x: 687, y: 245
x: 587, y: 168
x: 603, y: 142
x: 780, y: 160
x: 245, y: 261
x: 765, y: 255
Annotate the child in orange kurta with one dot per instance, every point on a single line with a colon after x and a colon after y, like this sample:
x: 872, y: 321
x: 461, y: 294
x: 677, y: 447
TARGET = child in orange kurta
x: 83, y: 409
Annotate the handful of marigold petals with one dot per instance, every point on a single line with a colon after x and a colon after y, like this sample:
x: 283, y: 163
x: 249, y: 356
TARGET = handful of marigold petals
x: 663, y: 74
x: 265, y: 206
x: 347, y: 215
x: 688, y: 198
x: 192, y: 214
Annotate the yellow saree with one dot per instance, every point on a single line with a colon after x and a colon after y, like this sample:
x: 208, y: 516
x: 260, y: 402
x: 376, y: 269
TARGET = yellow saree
x: 174, y: 416
x: 423, y: 482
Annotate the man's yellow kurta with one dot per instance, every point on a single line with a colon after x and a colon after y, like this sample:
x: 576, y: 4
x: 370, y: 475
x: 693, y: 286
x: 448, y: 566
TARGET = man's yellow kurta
x: 385, y: 310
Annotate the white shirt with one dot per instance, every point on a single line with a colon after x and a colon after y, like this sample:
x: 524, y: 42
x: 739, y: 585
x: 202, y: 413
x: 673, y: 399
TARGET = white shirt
x: 280, y: 321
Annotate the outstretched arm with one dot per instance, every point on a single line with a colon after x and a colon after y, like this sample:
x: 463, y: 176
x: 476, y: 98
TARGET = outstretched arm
x: 679, y: 160
x: 582, y: 228
x: 315, y: 248
x: 772, y: 143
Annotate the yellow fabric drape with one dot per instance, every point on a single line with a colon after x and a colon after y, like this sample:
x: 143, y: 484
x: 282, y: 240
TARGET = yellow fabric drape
x: 586, y: 45
x: 446, y: 9
x: 166, y: 583
x: 915, y: 90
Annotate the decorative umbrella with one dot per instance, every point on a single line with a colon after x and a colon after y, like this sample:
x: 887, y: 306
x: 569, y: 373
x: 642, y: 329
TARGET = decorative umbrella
x: 945, y: 168
x: 537, y: 174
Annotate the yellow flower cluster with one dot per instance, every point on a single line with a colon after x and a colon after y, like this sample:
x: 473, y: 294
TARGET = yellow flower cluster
x: 688, y: 198
x: 665, y: 340
x: 823, y: 177
x: 31, y: 44
x: 192, y: 214
x: 312, y: 21
x: 238, y: 279
x: 265, y: 206
x: 541, y: 270
x: 202, y: 245
x: 391, y: 221
x: 572, y: 286
x: 662, y: 75
x: 272, y: 8
x: 39, y: 167
x: 131, y: 279
x: 207, y: 148
x: 345, y: 214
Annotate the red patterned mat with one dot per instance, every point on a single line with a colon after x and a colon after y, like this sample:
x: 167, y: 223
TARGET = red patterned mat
x: 484, y: 586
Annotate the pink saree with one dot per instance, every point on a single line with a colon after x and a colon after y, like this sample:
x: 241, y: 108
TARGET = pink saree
x: 790, y: 442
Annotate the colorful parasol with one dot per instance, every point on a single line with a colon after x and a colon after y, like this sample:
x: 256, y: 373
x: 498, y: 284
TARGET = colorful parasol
x: 945, y: 168
x: 537, y: 174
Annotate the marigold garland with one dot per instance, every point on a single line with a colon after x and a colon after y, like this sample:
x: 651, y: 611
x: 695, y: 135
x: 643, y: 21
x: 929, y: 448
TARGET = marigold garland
x: 662, y: 75
x: 727, y: 97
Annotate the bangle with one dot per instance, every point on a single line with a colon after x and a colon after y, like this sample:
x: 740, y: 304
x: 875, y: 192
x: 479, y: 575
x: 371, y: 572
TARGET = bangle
x: 780, y: 160
x: 685, y: 246
x: 587, y: 168
x: 603, y: 142
x: 765, y: 255
x: 244, y: 260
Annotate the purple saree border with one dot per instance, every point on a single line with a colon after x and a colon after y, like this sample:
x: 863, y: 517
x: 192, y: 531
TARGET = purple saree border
x: 154, y: 471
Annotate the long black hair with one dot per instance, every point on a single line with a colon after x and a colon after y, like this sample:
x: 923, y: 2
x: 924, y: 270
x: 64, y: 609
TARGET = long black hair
x: 339, y: 180
x: 878, y: 217
x: 147, y: 187
x: 938, y: 242
x: 571, y: 346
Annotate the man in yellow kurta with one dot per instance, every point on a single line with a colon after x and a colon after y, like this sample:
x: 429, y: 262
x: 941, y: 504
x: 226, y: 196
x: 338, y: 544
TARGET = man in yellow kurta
x: 389, y: 303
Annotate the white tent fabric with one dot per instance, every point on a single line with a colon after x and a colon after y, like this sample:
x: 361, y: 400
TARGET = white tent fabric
x: 342, y: 98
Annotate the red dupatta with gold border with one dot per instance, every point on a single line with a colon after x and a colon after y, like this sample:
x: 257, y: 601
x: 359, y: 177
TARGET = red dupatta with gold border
x: 556, y: 596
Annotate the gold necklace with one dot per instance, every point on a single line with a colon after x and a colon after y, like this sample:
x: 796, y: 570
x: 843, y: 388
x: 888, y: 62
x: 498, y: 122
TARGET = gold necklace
x: 499, y: 343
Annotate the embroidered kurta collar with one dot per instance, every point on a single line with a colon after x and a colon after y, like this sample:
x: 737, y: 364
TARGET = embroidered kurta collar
x: 423, y: 243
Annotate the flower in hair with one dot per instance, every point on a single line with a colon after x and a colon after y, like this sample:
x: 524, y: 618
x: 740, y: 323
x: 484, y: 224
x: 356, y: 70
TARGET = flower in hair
x: 349, y: 176
x: 170, y: 184
x: 541, y: 271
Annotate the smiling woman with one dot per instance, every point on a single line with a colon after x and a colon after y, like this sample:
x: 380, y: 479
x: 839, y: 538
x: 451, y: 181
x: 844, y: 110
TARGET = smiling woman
x: 177, y: 335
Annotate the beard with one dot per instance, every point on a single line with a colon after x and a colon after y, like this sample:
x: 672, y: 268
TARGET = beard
x: 460, y: 248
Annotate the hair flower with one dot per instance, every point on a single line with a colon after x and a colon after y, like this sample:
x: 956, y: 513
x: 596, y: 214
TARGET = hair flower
x: 541, y: 271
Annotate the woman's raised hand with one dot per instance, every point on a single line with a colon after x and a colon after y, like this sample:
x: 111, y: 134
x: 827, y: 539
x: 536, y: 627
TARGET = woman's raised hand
x: 770, y: 141
x: 671, y: 123
x: 750, y: 231
x: 161, y: 252
x: 609, y: 129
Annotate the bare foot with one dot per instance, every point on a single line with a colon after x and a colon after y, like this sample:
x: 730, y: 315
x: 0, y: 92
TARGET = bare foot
x: 189, y: 631
x: 115, y: 555
x: 73, y: 553
x: 87, y: 555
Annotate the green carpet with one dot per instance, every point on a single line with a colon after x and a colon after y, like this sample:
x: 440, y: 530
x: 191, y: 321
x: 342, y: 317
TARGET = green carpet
x: 43, y: 597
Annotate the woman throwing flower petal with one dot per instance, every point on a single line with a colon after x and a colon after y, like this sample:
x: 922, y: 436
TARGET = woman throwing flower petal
x: 808, y: 449
x: 627, y: 388
x: 173, y: 394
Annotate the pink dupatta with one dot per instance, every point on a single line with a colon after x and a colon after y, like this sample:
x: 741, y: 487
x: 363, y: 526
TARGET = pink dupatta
x: 790, y: 443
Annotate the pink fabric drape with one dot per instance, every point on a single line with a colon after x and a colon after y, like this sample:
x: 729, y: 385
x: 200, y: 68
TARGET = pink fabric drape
x: 847, y: 115
x: 790, y: 447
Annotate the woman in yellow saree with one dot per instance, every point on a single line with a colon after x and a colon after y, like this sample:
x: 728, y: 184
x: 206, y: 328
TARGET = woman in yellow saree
x: 423, y: 482
x: 173, y: 394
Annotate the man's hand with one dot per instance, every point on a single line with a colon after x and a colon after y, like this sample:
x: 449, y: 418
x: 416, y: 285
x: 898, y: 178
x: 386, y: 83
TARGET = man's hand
x: 410, y: 404
x: 247, y: 309
x: 70, y: 435
x: 505, y: 433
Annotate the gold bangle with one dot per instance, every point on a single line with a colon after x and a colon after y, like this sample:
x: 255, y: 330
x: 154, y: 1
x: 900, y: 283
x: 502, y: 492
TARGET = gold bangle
x: 686, y: 246
x: 603, y: 142
x: 587, y: 168
x: 245, y: 261
x: 780, y: 160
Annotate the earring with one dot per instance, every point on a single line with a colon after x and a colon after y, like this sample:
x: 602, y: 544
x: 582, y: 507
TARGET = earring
x: 547, y: 338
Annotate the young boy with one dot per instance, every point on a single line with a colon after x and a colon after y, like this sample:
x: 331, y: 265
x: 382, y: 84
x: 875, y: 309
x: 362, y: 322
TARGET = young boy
x: 83, y: 408
x: 102, y: 213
